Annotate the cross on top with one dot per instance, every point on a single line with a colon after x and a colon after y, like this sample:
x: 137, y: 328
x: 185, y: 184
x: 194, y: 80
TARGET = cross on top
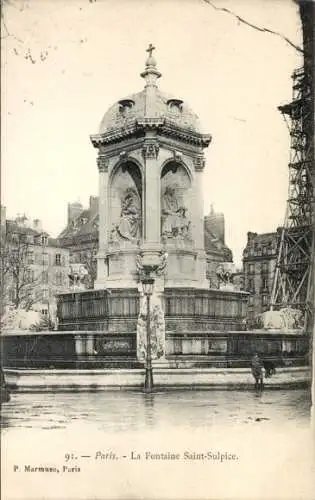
x: 150, y: 49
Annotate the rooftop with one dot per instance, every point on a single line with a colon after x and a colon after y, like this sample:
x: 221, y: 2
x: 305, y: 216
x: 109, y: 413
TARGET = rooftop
x: 150, y: 105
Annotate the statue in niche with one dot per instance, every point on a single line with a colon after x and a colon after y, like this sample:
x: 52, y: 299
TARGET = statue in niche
x: 175, y: 223
x: 129, y: 226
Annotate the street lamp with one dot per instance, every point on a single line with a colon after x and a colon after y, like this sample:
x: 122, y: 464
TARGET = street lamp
x: 148, y: 284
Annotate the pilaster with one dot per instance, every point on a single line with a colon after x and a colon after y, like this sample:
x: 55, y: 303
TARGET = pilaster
x: 152, y: 228
x: 199, y: 229
x: 102, y: 163
x: 201, y: 261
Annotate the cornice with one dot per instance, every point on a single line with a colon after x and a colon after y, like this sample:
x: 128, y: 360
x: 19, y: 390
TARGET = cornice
x: 184, y: 134
x: 138, y: 128
x: 127, y: 146
x: 172, y: 144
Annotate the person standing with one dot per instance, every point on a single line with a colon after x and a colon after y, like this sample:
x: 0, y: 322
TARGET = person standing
x: 257, y: 371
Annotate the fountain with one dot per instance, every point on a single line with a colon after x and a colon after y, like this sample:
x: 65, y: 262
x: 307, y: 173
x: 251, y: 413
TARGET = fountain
x: 151, y: 162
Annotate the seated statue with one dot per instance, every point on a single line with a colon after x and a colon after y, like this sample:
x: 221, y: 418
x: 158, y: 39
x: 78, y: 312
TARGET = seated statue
x: 129, y: 227
x: 174, y: 219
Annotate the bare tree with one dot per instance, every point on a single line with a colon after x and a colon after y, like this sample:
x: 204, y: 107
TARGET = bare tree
x: 18, y: 279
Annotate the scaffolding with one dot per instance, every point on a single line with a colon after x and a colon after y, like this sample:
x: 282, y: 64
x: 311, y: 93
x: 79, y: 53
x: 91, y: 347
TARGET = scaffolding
x: 293, y: 279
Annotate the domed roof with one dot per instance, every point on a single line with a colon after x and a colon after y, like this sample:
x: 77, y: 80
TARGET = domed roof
x: 149, y: 105
x: 134, y: 107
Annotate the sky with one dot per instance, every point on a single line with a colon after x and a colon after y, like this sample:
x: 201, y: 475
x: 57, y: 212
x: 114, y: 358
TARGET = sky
x: 65, y: 62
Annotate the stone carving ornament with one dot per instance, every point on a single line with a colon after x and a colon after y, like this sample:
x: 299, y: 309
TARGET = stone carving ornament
x: 158, y: 270
x: 150, y: 149
x: 129, y: 226
x: 157, y: 329
x: 175, y: 223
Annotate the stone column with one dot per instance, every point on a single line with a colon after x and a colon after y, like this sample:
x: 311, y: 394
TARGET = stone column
x: 152, y: 215
x: 102, y: 163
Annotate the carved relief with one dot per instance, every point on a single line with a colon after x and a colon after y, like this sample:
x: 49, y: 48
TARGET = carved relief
x: 129, y: 226
x: 175, y: 220
x: 150, y: 149
x: 199, y: 163
x: 177, y: 156
x: 157, y: 329
x: 102, y: 163
x: 157, y: 269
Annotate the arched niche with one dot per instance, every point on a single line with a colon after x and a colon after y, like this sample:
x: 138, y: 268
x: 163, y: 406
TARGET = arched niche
x: 126, y: 202
x: 176, y: 201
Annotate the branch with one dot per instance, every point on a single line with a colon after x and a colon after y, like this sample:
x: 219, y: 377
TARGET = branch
x: 258, y: 28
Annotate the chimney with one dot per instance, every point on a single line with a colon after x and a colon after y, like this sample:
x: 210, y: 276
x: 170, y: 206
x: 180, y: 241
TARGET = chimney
x: 21, y: 220
x: 251, y: 236
x: 94, y: 203
x: 74, y: 210
x: 37, y: 225
x: 215, y: 223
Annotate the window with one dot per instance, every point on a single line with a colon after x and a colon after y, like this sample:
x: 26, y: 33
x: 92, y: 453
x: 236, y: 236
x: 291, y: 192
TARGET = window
x: 125, y: 105
x: 265, y: 300
x: 44, y: 240
x: 251, y: 286
x: 45, y: 259
x: 45, y: 277
x: 30, y: 257
x: 265, y: 267
x: 58, y: 259
x: 45, y: 294
x: 44, y: 312
x: 29, y: 275
x: 264, y: 283
x: 59, y: 279
x: 175, y: 106
x: 251, y: 268
x: 250, y: 300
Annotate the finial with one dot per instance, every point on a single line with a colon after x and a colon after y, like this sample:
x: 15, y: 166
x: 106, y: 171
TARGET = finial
x: 150, y: 73
x: 150, y: 61
x: 150, y: 49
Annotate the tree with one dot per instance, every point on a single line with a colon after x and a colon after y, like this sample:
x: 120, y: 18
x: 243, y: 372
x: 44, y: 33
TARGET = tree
x: 18, y: 281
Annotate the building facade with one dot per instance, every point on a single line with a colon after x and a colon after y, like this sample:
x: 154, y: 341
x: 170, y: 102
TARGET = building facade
x: 34, y: 267
x: 259, y: 262
x: 80, y: 237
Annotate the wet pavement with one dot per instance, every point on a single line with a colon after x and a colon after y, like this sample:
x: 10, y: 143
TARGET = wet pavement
x: 135, y: 411
x: 267, y: 433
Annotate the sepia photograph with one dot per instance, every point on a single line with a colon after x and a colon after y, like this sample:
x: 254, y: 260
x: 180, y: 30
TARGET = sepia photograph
x: 157, y: 250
